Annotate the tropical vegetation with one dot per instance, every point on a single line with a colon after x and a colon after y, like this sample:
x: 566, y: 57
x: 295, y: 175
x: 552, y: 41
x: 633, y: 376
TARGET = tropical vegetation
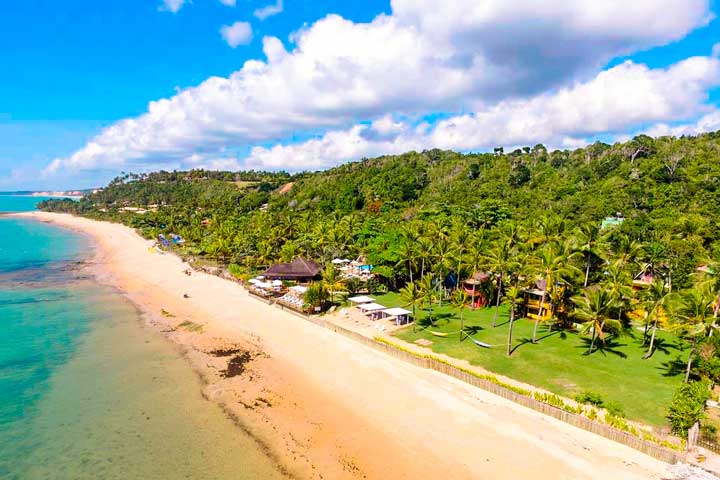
x: 624, y: 239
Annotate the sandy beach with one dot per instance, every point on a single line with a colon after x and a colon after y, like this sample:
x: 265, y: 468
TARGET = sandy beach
x: 324, y: 406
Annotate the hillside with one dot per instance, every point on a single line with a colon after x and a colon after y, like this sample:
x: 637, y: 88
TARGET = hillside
x: 666, y: 188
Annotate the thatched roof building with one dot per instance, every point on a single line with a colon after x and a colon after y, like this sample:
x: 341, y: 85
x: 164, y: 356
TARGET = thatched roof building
x: 298, y: 270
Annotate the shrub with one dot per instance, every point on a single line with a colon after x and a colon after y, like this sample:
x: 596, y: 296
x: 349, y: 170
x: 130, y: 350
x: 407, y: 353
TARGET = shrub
x: 590, y: 398
x: 688, y: 406
x: 235, y: 270
x: 615, y: 409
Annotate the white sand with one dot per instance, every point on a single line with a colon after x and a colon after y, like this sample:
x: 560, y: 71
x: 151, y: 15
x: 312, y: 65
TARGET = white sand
x: 393, y: 419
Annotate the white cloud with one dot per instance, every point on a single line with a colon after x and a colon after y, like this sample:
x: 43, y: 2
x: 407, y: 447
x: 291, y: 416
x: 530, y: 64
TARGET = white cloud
x: 469, y: 55
x: 173, y: 6
x: 229, y: 3
x: 706, y: 123
x: 269, y: 10
x: 616, y: 100
x: 239, y: 33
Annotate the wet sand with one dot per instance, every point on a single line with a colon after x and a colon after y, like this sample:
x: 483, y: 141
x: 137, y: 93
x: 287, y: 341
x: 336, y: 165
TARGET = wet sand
x: 324, y: 406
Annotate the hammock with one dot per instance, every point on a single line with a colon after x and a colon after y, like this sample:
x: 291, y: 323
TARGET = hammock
x: 442, y: 334
x: 479, y: 343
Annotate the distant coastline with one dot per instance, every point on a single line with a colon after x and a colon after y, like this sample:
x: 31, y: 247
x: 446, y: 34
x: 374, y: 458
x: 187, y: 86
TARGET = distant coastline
x: 73, y: 194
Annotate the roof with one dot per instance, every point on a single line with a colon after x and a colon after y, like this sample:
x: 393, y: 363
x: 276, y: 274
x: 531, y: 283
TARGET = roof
x: 361, y: 299
x: 397, y: 312
x: 372, y: 307
x: 478, y: 278
x: 534, y: 291
x: 298, y: 268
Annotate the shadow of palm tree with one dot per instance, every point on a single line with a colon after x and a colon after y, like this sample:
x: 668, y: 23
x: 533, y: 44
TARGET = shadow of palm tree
x: 673, y: 368
x: 611, y: 346
x: 526, y: 340
x: 473, y: 329
x: 664, y: 346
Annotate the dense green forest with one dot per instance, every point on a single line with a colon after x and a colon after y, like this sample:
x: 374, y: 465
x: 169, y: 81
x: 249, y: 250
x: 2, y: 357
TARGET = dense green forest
x: 666, y: 189
x: 526, y: 215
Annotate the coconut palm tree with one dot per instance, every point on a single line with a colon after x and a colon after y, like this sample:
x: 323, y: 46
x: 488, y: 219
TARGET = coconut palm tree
x: 553, y: 264
x: 428, y: 290
x: 460, y: 236
x: 412, y: 296
x: 590, y: 244
x: 695, y: 317
x: 408, y: 255
x: 425, y: 247
x: 618, y: 282
x: 512, y: 299
x: 710, y: 278
x: 333, y: 281
x: 316, y: 295
x: 592, y: 308
x: 657, y: 298
x: 459, y: 302
x: 498, y: 260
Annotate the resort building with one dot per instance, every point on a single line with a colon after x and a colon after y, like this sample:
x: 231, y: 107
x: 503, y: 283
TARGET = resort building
x: 299, y: 270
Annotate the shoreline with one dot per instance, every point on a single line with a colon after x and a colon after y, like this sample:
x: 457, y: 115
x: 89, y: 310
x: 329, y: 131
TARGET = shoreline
x: 351, y: 412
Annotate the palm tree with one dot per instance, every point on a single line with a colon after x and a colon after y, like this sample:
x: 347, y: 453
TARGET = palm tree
x: 412, y: 296
x: 590, y: 244
x: 428, y: 290
x: 512, y: 298
x: 498, y: 260
x: 316, y: 295
x: 476, y: 260
x: 553, y: 264
x: 333, y: 281
x: 619, y: 283
x: 711, y: 279
x: 425, y: 249
x: 459, y: 302
x: 444, y: 256
x: 408, y: 255
x: 657, y: 297
x: 460, y: 235
x: 592, y: 308
x: 695, y: 314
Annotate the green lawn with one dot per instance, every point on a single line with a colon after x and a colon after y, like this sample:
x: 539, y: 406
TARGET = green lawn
x: 558, y: 363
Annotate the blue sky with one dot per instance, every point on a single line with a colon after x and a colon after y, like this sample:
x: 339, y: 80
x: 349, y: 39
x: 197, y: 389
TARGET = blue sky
x: 335, y: 81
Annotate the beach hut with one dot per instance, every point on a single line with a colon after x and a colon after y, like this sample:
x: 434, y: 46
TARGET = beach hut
x: 374, y: 310
x: 532, y: 298
x: 401, y: 315
x: 362, y: 299
x: 299, y: 270
x: 475, y: 287
x: 648, y: 274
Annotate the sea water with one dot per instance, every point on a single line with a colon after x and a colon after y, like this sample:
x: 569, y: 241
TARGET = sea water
x: 88, y: 392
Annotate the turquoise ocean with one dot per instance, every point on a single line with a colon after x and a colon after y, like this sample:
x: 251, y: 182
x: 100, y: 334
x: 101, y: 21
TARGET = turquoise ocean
x: 86, y: 390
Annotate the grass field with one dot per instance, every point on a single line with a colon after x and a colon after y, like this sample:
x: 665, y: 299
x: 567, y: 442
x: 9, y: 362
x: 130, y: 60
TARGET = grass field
x: 559, y: 363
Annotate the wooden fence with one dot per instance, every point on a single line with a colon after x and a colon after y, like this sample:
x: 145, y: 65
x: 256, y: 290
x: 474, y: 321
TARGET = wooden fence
x: 649, y: 448
x: 713, y: 447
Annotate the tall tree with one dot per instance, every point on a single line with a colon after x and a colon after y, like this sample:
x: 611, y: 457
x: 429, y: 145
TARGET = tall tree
x: 412, y: 296
x: 459, y: 302
x: 512, y: 299
x: 592, y: 309
x: 657, y: 298
x: 695, y: 317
